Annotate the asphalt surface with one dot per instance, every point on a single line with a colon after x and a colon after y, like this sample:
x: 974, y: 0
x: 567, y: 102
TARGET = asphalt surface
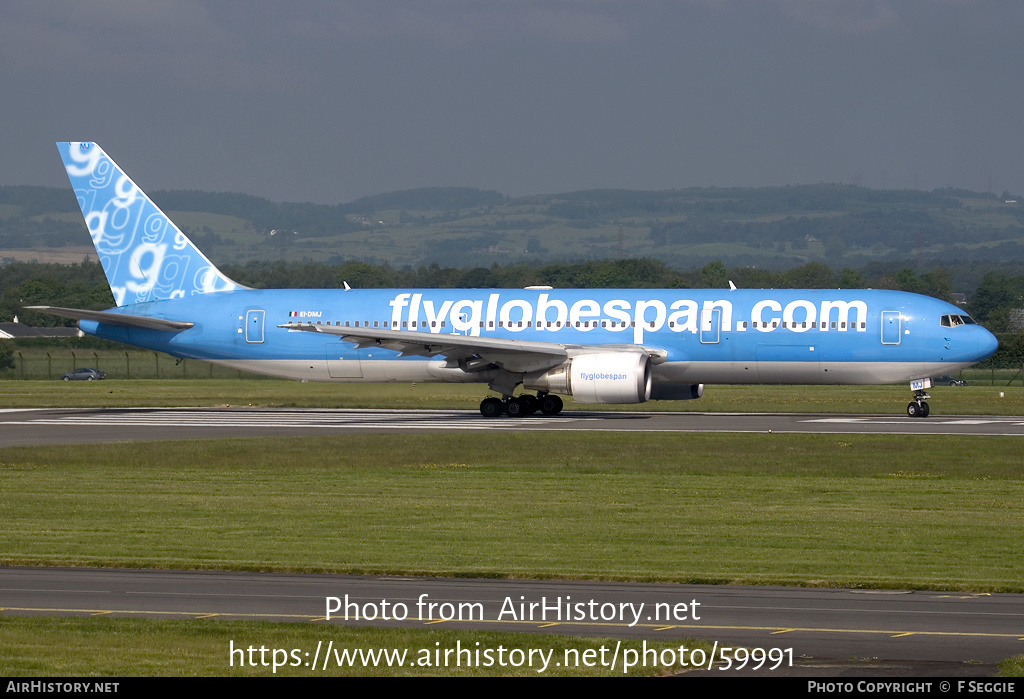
x: 826, y: 631
x: 82, y: 425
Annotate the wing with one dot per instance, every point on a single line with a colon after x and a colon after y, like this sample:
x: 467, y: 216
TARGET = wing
x: 471, y: 353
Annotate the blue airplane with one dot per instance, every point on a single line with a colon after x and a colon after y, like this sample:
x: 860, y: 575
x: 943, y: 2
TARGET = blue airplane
x: 596, y: 345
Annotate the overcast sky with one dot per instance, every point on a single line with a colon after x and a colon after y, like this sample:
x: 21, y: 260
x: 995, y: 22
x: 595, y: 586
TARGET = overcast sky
x: 331, y: 100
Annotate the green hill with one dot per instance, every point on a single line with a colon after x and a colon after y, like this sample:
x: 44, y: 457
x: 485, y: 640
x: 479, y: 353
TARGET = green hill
x: 772, y: 227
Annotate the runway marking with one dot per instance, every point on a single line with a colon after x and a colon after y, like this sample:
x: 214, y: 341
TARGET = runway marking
x: 902, y: 421
x: 342, y: 420
x: 298, y: 419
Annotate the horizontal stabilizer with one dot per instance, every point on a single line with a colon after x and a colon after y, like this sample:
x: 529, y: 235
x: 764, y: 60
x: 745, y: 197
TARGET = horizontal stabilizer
x: 115, y: 318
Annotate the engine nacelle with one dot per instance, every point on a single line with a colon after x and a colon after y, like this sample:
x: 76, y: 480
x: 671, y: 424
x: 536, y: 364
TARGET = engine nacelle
x: 677, y: 391
x: 610, y: 377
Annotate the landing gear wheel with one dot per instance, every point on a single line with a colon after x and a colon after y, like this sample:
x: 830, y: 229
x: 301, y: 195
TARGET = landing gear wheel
x: 532, y: 403
x: 551, y: 405
x: 916, y: 409
x: 491, y: 407
x: 517, y: 407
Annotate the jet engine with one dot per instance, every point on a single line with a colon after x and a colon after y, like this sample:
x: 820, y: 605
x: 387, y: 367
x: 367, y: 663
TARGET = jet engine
x: 609, y: 377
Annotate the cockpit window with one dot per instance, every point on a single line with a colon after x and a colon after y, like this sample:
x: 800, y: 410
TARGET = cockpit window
x: 951, y: 321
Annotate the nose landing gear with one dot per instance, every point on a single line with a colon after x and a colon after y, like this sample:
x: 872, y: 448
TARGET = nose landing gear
x: 918, y: 407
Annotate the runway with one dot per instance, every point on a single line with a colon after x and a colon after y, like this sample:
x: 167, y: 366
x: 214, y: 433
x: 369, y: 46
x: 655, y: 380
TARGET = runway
x: 962, y: 632
x: 84, y: 425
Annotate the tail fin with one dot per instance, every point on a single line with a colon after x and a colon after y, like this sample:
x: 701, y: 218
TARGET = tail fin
x: 144, y: 255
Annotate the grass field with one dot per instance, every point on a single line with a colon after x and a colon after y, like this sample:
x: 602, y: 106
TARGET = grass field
x: 869, y: 511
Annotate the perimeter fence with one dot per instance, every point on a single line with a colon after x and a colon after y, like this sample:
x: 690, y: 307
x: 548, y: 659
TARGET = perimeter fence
x: 38, y: 365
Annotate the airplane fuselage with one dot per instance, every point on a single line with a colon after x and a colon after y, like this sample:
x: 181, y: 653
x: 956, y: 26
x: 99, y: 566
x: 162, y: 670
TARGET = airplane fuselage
x: 700, y: 336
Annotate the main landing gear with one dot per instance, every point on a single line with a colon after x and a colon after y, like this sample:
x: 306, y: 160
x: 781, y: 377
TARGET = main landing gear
x: 522, y: 406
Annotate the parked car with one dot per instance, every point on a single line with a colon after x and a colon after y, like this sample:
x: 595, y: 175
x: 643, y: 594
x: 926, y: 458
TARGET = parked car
x: 948, y: 380
x: 83, y: 374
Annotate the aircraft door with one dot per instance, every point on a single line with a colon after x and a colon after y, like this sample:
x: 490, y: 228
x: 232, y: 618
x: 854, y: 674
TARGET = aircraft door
x: 710, y: 325
x: 254, y: 325
x: 892, y: 327
x: 343, y: 367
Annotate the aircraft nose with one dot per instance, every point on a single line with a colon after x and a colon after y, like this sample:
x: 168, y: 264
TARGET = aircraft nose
x: 987, y: 343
